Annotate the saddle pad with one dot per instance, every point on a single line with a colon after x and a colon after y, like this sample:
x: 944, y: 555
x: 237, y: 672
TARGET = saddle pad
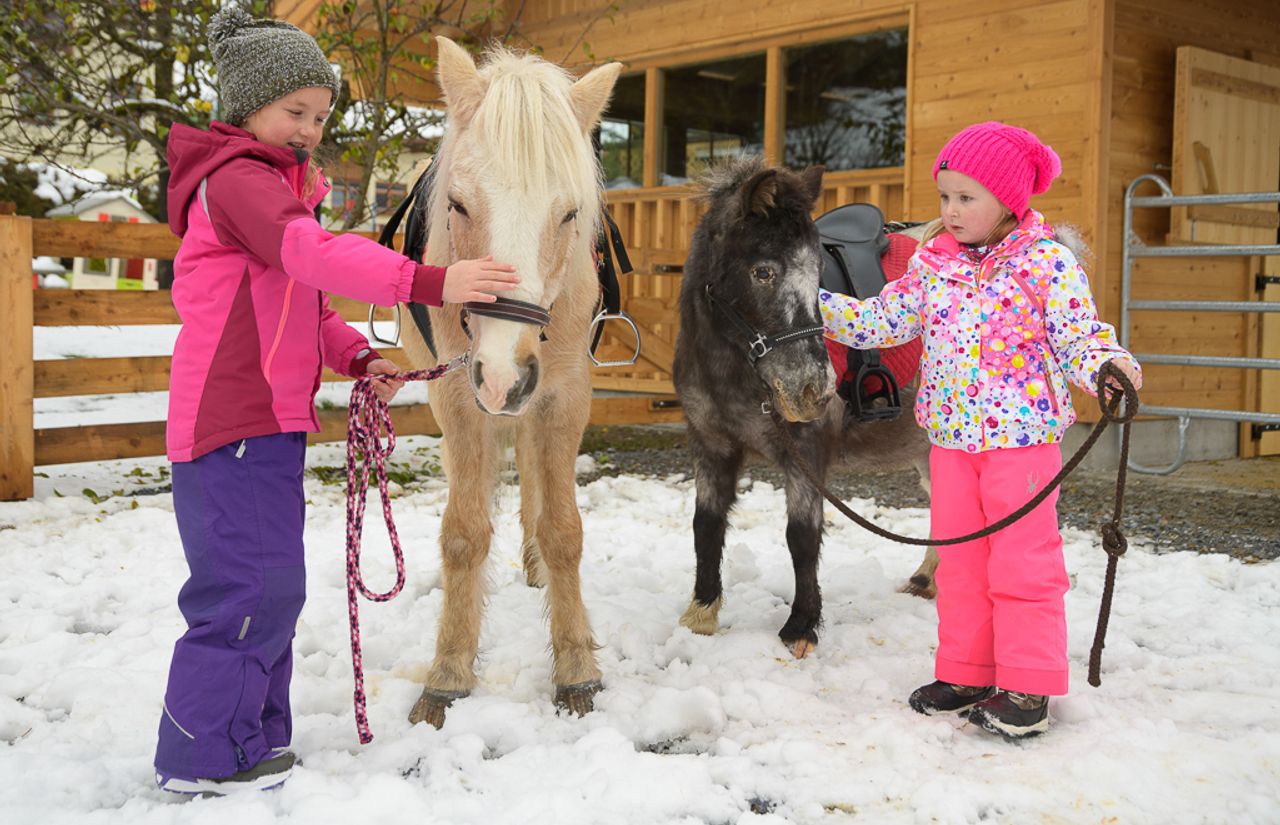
x: 903, y: 361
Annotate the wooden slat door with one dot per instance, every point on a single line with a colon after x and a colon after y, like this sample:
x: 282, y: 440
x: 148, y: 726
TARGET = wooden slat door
x: 1226, y: 138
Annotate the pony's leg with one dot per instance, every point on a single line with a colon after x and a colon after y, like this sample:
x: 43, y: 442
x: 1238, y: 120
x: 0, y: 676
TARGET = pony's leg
x: 535, y: 570
x: 716, y: 464
x: 465, y: 533
x: 922, y: 582
x: 804, y: 540
x: 558, y: 533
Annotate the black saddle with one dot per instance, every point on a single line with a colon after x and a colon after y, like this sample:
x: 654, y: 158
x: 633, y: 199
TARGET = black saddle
x: 853, y: 241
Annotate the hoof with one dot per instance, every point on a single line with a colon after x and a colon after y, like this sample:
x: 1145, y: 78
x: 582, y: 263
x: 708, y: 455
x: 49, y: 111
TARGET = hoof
x: 919, y: 585
x: 578, y: 699
x: 431, y: 706
x: 703, y: 619
x: 801, y: 648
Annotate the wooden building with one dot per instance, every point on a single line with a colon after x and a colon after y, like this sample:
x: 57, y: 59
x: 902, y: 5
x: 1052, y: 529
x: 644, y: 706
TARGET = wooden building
x: 1188, y: 89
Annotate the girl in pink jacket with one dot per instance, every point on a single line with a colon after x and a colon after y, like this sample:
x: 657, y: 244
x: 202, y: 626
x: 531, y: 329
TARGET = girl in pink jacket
x: 1007, y: 319
x: 250, y: 279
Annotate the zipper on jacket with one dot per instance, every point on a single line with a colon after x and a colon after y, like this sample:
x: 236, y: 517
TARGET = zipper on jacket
x: 275, y: 344
x: 1049, y: 386
x: 1026, y: 287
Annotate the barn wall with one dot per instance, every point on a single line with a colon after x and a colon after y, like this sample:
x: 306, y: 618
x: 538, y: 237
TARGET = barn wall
x: 1027, y: 63
x: 1141, y: 129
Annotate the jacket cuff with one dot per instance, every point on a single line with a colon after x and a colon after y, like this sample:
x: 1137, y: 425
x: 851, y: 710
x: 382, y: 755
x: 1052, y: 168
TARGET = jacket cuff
x: 360, y: 364
x: 428, y: 285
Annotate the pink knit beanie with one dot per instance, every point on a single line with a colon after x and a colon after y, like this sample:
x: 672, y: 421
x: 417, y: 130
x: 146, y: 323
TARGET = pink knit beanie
x: 1012, y: 163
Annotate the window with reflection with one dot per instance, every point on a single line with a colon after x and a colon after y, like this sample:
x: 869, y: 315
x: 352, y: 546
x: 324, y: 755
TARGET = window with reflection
x: 847, y: 102
x: 620, y: 138
x: 711, y: 111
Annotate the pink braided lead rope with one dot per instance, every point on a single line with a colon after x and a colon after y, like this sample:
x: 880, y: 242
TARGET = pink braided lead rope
x: 367, y: 416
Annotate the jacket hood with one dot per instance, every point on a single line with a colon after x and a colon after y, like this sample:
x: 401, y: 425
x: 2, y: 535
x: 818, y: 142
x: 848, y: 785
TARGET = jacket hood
x: 194, y: 154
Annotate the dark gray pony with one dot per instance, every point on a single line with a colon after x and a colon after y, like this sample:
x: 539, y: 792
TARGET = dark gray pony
x: 753, y: 376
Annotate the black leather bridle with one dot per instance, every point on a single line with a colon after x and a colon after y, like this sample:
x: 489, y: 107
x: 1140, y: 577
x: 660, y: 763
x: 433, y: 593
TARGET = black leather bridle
x: 506, y: 309
x: 759, y: 344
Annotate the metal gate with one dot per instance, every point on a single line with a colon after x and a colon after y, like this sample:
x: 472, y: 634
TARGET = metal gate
x: 1135, y: 248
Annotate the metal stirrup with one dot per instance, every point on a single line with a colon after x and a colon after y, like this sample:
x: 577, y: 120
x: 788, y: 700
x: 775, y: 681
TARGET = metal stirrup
x: 373, y: 332
x: 605, y: 315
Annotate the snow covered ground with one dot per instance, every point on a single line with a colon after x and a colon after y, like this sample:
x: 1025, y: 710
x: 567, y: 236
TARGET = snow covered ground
x: 723, y: 729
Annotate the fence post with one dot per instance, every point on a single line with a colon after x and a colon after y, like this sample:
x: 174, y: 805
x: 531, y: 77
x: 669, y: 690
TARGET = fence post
x: 17, y: 425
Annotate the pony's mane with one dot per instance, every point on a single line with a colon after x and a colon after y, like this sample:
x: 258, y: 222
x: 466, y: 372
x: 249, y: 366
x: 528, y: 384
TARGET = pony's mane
x: 533, y: 136
x: 721, y: 183
x: 729, y: 175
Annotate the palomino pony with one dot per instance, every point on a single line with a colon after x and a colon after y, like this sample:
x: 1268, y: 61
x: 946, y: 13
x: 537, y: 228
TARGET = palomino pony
x: 753, y: 376
x: 516, y: 177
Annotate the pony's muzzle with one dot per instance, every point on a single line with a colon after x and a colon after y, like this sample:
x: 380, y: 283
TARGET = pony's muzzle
x: 504, y: 392
x: 805, y: 401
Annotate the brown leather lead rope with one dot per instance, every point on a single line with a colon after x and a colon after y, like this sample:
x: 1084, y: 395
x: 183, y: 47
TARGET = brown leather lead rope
x: 1113, y: 540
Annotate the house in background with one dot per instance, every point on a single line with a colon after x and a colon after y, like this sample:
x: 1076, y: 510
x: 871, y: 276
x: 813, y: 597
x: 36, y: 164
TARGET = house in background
x: 108, y: 273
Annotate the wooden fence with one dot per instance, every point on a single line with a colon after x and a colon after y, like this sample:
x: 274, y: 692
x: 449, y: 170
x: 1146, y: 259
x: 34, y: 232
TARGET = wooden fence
x: 656, y: 225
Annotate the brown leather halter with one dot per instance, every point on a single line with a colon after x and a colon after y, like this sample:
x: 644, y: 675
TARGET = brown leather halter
x: 507, y: 309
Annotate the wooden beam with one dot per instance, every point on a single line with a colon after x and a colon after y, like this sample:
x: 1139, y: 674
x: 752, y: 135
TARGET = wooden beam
x: 102, y: 307
x: 62, y: 377
x: 775, y: 106
x: 653, y: 94
x: 104, y: 442
x: 64, y: 445
x: 17, y: 444
x: 102, y: 239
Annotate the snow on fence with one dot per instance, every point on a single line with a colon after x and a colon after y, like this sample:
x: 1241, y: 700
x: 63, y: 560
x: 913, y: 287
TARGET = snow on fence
x: 23, y: 379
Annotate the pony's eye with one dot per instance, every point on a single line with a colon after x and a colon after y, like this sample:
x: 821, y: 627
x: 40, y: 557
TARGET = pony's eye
x: 763, y: 274
x: 573, y: 214
x: 457, y: 207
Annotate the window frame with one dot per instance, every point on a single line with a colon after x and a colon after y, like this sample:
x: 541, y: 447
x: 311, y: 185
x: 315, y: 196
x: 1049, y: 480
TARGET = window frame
x: 655, y: 64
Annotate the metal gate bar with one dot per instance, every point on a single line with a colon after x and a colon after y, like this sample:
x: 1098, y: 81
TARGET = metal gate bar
x: 1135, y: 248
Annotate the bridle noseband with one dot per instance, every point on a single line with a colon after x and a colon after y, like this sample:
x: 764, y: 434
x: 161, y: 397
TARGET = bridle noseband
x: 759, y: 344
x: 507, y: 309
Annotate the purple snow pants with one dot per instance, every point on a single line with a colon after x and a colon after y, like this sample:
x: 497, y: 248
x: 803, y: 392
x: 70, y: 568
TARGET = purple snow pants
x: 240, y: 513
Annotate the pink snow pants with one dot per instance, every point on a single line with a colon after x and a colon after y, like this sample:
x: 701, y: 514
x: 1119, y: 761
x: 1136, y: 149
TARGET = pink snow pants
x: 1001, y: 616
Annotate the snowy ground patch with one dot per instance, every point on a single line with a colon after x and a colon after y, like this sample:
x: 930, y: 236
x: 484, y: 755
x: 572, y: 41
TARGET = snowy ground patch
x: 723, y: 729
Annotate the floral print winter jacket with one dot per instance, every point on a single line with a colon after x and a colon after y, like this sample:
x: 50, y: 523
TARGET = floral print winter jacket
x: 1002, y: 333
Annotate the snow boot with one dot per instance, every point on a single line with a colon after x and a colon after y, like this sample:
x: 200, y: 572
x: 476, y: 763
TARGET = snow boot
x: 944, y: 697
x: 1012, y: 715
x: 267, y: 774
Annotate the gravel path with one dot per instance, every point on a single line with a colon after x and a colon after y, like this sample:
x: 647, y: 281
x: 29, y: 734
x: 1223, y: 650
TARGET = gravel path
x: 1221, y: 507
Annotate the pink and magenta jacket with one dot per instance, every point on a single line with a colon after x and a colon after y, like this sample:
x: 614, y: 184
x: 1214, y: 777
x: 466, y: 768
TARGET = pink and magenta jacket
x: 1002, y: 336
x: 249, y: 284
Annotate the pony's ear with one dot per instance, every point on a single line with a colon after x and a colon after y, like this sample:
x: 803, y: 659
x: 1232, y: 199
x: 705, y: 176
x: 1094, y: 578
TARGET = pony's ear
x: 812, y: 180
x: 590, y: 94
x: 463, y: 88
x: 759, y: 193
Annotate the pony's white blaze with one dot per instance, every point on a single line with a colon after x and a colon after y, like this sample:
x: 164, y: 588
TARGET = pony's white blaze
x: 526, y: 154
x: 515, y: 239
x: 800, y: 293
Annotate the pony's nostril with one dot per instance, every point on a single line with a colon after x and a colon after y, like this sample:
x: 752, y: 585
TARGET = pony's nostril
x: 477, y: 372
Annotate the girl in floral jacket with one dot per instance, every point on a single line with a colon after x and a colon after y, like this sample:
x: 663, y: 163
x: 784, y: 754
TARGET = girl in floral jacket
x: 1008, y: 320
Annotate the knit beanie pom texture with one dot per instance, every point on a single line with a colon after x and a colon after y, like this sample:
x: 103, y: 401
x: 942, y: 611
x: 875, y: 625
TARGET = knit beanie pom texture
x: 1010, y: 162
x: 260, y: 61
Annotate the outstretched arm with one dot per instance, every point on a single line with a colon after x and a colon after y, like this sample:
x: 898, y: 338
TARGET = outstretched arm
x: 889, y: 319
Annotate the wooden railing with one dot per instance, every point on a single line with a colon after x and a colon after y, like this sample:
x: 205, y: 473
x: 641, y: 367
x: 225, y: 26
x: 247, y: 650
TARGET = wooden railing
x: 656, y: 225
x: 23, y: 379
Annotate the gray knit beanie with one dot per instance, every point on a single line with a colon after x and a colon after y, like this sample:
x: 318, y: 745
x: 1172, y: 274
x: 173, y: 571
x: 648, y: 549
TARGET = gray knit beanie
x: 260, y: 61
